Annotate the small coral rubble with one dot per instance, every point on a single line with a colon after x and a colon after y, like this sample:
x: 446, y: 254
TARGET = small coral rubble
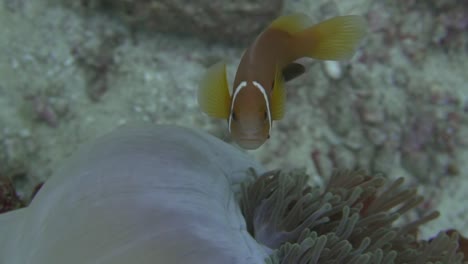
x: 9, y: 199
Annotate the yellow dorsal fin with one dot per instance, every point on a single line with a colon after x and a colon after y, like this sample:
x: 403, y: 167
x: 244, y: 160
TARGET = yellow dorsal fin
x: 278, y: 96
x: 292, y: 23
x: 213, y: 92
x: 333, y: 39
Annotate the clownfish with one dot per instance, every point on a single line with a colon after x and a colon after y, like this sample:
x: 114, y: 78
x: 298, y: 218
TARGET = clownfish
x: 258, y: 96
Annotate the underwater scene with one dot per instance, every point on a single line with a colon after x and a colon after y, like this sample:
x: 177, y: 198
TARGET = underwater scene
x: 249, y: 131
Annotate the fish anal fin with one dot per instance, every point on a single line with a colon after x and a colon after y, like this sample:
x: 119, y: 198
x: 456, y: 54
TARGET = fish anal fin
x: 278, y: 96
x: 292, y: 71
x: 292, y: 23
x: 213, y: 92
x: 333, y: 39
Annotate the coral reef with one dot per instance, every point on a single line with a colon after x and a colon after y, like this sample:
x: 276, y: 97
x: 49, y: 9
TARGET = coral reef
x: 352, y: 220
x: 212, y: 20
x: 69, y: 75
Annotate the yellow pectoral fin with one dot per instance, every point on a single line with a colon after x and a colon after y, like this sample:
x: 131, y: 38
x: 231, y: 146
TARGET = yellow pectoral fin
x: 213, y: 92
x: 333, y: 39
x: 278, y: 96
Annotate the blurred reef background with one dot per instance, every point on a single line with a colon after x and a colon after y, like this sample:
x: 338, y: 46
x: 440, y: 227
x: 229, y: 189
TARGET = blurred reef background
x: 71, y: 71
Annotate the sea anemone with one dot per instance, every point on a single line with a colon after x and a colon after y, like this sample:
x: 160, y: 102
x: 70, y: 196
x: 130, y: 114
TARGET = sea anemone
x: 166, y: 194
x: 351, y: 221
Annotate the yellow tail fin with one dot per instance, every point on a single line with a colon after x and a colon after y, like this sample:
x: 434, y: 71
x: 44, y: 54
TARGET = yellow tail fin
x: 213, y: 92
x: 292, y: 23
x: 333, y: 39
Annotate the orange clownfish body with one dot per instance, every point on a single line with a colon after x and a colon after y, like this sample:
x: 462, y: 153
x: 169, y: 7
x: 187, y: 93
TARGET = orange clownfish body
x: 258, y: 95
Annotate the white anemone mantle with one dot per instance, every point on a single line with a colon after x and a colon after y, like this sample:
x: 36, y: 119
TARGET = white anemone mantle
x: 142, y: 194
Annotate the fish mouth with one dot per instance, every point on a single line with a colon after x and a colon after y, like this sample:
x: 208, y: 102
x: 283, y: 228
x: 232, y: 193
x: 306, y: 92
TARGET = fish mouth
x: 249, y: 143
